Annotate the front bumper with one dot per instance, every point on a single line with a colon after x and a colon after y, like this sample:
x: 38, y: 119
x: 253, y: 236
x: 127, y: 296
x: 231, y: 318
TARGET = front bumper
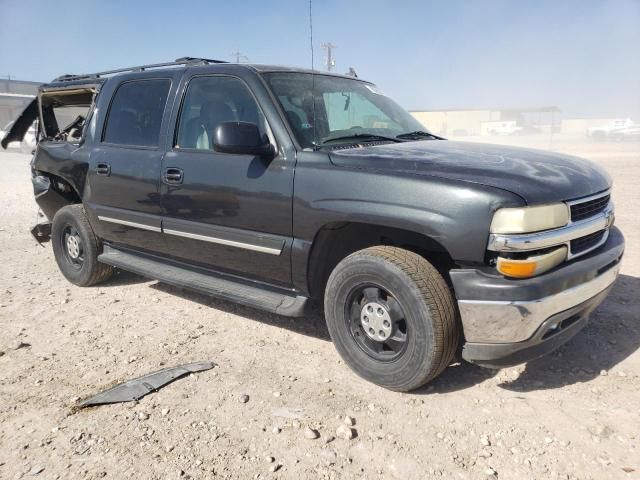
x: 509, y: 321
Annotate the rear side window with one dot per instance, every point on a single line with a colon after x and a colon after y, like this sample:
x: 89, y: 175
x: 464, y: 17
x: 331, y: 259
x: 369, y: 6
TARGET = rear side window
x: 136, y: 112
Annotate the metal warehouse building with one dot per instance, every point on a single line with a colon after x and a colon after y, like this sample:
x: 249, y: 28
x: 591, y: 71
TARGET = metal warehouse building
x: 476, y: 122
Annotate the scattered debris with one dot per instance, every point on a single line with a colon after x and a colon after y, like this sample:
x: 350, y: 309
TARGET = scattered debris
x: 484, y: 441
x: 142, y: 416
x: 490, y: 472
x: 20, y: 345
x: 276, y: 430
x: 284, y: 412
x: 346, y: 432
x: 36, y: 470
x: 137, y: 388
x: 310, y: 433
x: 349, y: 421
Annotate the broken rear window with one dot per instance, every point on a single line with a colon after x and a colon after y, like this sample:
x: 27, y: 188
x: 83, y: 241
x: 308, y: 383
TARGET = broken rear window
x: 64, y: 113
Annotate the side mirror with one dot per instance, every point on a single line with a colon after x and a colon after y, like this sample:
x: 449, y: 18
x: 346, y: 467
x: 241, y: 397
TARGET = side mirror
x: 241, y: 138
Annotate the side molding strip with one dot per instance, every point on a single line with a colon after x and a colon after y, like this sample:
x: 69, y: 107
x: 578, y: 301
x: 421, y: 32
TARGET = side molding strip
x: 129, y: 224
x: 221, y: 241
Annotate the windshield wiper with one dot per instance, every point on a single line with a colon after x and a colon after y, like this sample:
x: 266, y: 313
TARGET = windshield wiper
x: 357, y: 136
x: 419, y: 134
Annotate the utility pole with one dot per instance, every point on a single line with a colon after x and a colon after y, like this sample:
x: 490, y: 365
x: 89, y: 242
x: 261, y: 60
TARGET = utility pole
x: 7, y: 83
x: 239, y: 56
x: 331, y: 62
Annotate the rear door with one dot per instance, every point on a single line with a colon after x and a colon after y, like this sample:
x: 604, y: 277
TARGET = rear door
x: 125, y: 163
x: 228, y: 212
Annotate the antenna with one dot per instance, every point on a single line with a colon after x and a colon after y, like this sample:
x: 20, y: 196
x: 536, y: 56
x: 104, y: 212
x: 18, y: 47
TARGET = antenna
x: 313, y: 75
x: 330, y: 62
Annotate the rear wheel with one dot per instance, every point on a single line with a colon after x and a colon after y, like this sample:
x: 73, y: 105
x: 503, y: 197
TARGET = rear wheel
x: 391, y: 317
x: 76, y: 247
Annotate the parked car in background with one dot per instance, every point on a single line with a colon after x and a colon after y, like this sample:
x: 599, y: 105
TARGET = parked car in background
x: 618, y: 129
x: 271, y: 186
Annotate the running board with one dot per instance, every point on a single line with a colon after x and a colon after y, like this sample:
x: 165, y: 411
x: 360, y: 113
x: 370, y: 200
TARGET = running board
x: 250, y: 295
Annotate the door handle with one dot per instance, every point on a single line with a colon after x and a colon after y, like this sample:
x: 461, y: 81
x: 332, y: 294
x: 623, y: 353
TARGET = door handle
x: 173, y: 176
x: 103, y: 169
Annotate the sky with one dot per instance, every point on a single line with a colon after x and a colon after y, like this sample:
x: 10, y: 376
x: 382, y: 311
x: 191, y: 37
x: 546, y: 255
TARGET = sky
x: 580, y: 55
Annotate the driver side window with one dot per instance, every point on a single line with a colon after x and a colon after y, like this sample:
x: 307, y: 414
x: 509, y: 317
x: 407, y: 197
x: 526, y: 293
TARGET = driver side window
x: 210, y: 101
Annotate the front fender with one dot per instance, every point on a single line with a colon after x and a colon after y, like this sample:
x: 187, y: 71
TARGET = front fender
x: 455, y: 214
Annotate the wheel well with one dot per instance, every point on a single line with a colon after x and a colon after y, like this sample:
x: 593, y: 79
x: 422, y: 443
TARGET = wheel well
x: 337, y: 240
x: 60, y: 193
x: 65, y: 189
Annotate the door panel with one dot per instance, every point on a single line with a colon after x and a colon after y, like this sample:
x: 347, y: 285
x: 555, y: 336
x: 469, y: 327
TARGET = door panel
x: 122, y: 192
x: 230, y: 212
x: 232, y: 237
x: 127, y: 202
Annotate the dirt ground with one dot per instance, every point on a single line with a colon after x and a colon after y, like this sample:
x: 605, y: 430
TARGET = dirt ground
x: 573, y: 414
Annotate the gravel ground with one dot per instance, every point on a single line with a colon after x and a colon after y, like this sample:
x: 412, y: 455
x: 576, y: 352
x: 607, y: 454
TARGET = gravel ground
x: 573, y: 414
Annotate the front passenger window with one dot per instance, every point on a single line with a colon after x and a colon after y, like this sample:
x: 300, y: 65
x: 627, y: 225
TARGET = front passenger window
x: 210, y: 101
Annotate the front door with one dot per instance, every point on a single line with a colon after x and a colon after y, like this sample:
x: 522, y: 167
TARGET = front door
x: 228, y: 212
x: 122, y: 193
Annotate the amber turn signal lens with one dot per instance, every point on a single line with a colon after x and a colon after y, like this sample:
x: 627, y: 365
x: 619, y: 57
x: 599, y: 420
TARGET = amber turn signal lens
x: 517, y: 269
x: 531, y: 266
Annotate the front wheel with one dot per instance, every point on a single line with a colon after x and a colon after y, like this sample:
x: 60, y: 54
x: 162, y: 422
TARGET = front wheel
x: 76, y: 247
x: 391, y: 317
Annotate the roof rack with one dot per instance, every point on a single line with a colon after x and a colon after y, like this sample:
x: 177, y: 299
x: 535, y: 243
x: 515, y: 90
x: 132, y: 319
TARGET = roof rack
x: 140, y: 68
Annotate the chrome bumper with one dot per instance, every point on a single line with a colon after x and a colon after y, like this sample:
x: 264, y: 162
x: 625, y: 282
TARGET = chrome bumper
x: 516, y: 321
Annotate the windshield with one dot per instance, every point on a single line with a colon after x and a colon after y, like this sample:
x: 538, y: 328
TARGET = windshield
x: 343, y: 108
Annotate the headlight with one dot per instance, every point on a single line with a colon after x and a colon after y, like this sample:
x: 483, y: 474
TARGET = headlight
x: 530, y: 219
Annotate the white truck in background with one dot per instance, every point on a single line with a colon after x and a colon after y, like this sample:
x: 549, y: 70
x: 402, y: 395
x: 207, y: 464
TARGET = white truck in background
x: 617, y: 129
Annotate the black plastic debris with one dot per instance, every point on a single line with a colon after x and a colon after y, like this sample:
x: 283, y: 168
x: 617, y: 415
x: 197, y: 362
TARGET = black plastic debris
x: 139, y: 387
x: 42, y: 232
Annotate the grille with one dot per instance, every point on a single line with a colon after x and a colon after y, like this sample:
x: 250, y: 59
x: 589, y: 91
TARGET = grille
x: 583, y: 244
x: 580, y: 211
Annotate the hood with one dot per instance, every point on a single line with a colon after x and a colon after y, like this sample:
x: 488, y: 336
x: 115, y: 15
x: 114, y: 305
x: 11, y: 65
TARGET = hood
x: 535, y: 175
x: 21, y: 125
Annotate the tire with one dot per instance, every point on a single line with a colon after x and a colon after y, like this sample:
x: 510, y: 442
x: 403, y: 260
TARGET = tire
x: 396, y: 283
x: 77, y: 258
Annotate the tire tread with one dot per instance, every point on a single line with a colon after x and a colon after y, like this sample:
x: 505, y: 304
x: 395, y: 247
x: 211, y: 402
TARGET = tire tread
x: 438, y: 297
x: 101, y: 272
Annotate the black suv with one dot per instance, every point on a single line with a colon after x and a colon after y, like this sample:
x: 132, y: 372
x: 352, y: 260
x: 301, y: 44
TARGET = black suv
x: 270, y: 186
